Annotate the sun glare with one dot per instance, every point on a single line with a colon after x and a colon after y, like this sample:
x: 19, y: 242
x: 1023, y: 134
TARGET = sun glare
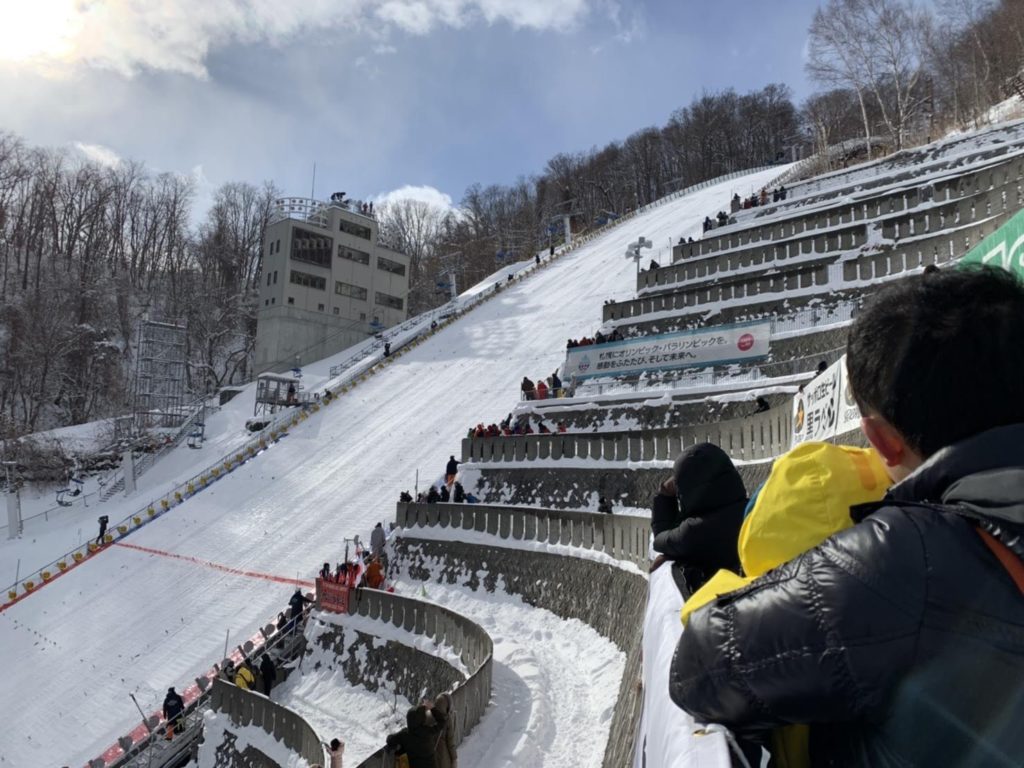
x: 37, y: 30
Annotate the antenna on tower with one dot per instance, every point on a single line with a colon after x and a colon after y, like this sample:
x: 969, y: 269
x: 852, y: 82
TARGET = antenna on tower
x: 312, y: 188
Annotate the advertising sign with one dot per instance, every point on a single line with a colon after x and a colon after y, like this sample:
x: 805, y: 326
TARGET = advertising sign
x: 826, y: 408
x: 698, y: 348
x: 332, y: 596
x: 1003, y: 248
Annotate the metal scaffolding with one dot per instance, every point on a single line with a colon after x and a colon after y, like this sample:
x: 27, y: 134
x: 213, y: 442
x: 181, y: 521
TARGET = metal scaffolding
x: 159, y: 389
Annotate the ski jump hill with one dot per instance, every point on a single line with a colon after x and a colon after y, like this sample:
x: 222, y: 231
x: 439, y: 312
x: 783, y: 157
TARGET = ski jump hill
x: 529, y: 605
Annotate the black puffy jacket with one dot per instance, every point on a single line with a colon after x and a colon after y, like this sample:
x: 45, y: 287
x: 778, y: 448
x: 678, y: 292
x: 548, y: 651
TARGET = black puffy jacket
x: 900, y: 640
x: 700, y: 526
x: 419, y: 738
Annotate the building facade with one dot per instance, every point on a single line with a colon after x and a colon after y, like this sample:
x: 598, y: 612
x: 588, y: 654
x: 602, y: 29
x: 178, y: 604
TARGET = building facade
x: 327, y: 282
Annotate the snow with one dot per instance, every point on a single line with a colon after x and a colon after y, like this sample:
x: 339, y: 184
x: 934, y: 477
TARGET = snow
x: 129, y: 621
x: 554, y: 681
x: 431, y: 533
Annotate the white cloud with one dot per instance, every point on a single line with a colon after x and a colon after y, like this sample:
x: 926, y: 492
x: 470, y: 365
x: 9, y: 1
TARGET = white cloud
x: 426, y: 194
x: 126, y: 36
x: 97, y: 153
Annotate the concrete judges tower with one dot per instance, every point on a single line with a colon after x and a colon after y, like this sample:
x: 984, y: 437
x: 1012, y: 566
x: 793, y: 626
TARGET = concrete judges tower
x: 327, y: 282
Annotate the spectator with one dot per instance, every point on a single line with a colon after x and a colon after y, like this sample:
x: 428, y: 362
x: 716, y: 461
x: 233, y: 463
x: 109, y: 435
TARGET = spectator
x: 432, y: 495
x: 723, y: 218
x: 542, y: 428
x: 433, y: 325
x: 387, y: 349
x: 471, y: 499
x: 822, y: 367
x: 377, y: 539
x: 420, y: 736
x: 782, y: 193
x: 268, y: 672
x: 244, y: 677
x: 459, y: 494
x: 103, y: 520
x: 536, y: 259
x: 604, y: 506
x: 527, y: 388
x: 445, y: 495
x: 375, y: 574
x: 762, y: 405
x: 291, y: 394
x: 174, y: 710
x: 336, y: 751
x: 405, y: 498
x: 556, y: 385
x: 653, y: 265
x: 325, y: 572
x: 909, y: 621
x: 697, y: 514
x: 562, y: 428
x: 764, y: 196
x: 542, y: 390
x: 445, y: 755
x: 708, y: 224
x: 297, y: 603
x: 735, y: 204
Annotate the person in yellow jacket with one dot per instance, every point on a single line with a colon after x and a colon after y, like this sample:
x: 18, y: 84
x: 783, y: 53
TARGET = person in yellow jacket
x: 806, y: 498
x: 244, y: 678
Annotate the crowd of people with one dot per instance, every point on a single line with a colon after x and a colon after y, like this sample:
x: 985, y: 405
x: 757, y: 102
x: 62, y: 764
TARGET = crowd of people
x: 543, y: 388
x: 865, y: 606
x: 598, y: 338
x: 521, y: 425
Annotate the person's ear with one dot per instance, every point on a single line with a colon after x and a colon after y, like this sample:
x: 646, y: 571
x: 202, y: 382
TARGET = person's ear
x: 899, y: 458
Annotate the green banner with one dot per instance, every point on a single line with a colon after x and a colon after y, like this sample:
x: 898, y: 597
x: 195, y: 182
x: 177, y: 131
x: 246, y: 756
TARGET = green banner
x: 1003, y: 248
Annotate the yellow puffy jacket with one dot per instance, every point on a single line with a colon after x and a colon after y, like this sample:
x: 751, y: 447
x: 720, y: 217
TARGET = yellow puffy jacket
x: 806, y: 498
x: 244, y: 678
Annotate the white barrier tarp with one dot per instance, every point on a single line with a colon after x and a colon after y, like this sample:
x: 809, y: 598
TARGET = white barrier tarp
x: 720, y: 345
x: 826, y: 407
x: 668, y: 737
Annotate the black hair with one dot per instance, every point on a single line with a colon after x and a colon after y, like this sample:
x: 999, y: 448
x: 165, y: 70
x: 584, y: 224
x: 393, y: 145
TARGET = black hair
x: 335, y: 743
x: 940, y: 357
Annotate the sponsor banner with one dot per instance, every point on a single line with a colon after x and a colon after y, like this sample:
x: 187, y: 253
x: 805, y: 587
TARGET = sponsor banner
x: 698, y: 348
x: 332, y: 596
x: 826, y: 408
x: 1003, y: 248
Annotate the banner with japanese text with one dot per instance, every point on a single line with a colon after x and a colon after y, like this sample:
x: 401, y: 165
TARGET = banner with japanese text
x: 825, y: 408
x: 702, y: 347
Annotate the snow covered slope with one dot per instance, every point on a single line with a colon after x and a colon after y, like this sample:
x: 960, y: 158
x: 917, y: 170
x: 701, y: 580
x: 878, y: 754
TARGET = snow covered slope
x: 134, y: 621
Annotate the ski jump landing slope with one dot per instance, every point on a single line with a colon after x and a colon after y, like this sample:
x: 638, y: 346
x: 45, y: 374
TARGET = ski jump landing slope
x: 139, y: 620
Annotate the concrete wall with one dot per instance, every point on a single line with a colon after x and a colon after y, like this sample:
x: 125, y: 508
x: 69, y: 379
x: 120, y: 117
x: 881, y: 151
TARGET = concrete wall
x: 366, y: 662
x: 245, y: 708
x: 760, y: 436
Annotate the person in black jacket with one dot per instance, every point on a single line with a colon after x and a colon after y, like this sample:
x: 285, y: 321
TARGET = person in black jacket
x: 451, y: 469
x: 268, y: 673
x: 432, y: 495
x: 174, y: 708
x: 900, y: 640
x: 297, y: 602
x: 419, y: 738
x: 697, y: 514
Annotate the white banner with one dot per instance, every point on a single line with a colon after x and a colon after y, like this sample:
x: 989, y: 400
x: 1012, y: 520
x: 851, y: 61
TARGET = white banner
x: 826, y: 407
x: 720, y: 345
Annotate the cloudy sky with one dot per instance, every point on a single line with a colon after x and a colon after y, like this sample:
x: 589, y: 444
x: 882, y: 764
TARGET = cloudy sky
x: 381, y: 94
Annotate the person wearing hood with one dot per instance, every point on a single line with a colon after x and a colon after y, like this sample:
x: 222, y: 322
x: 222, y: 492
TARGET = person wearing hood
x: 696, y: 516
x: 899, y: 640
x: 419, y: 738
x: 268, y: 673
x: 433, y: 496
x: 445, y: 755
x: 174, y: 708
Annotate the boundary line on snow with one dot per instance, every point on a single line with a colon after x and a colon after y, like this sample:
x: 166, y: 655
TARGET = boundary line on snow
x: 215, y: 566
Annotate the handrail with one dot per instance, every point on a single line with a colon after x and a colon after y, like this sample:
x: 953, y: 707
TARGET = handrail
x: 245, y: 708
x: 622, y: 537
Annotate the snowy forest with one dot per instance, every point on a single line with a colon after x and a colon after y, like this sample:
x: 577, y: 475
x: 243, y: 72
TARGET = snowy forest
x: 86, y: 249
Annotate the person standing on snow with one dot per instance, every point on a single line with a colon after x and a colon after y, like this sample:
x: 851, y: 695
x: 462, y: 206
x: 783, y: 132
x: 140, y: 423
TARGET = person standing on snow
x: 103, y: 520
x: 297, y: 602
x: 451, y: 470
x: 268, y: 672
x: 445, y: 755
